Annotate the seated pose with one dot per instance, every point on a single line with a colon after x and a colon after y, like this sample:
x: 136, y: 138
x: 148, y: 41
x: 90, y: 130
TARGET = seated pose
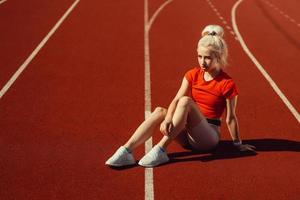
x: 193, y: 118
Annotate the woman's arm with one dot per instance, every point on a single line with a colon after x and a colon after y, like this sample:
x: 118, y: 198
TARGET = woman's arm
x: 184, y: 90
x: 233, y: 126
x: 231, y: 119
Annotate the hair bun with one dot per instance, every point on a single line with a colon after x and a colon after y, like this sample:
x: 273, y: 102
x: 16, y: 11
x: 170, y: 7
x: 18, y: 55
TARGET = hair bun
x: 213, y: 33
x: 213, y: 30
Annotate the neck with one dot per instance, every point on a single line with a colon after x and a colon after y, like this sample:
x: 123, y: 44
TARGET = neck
x: 213, y: 73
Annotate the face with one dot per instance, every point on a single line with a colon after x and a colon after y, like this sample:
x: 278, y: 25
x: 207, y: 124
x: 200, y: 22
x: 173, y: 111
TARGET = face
x: 206, y: 59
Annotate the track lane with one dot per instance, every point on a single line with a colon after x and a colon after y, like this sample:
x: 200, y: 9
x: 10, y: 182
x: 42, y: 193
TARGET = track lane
x: 28, y: 24
x: 222, y: 175
x: 66, y: 162
x: 74, y: 106
x: 278, y: 51
x: 288, y: 7
x: 36, y: 50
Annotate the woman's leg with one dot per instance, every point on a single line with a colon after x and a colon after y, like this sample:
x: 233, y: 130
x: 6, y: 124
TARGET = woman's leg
x: 123, y: 156
x: 182, y: 139
x: 204, y: 136
x: 186, y: 112
x: 146, y: 129
x: 201, y: 136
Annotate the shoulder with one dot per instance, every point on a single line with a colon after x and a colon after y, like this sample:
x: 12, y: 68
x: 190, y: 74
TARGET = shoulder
x: 192, y: 73
x: 228, y: 86
x: 193, y: 70
x: 225, y: 78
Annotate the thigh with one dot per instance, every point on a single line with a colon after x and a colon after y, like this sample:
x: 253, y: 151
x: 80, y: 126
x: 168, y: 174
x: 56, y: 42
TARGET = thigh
x: 194, y: 115
x: 203, y: 136
x: 182, y: 139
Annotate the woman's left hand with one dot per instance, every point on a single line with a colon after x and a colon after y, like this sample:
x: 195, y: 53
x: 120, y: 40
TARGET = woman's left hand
x: 246, y: 147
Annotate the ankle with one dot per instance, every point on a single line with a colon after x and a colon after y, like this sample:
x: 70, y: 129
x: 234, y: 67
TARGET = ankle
x: 129, y: 150
x: 162, y: 148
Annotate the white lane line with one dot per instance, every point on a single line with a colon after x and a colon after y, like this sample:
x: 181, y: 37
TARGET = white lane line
x: 258, y: 65
x: 36, y: 50
x: 149, y: 186
x: 154, y: 16
x: 213, y: 7
x: 281, y: 12
x: 1, y: 2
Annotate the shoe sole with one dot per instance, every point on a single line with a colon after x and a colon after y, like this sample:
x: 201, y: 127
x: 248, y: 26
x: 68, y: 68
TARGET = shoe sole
x: 119, y: 165
x: 143, y: 165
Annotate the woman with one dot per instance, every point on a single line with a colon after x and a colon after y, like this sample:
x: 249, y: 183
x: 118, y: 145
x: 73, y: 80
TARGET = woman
x: 193, y: 117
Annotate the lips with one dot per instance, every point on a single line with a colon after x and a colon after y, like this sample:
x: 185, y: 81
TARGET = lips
x: 204, y: 67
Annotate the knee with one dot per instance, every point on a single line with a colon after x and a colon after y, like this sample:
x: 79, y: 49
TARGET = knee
x: 185, y: 101
x: 160, y: 112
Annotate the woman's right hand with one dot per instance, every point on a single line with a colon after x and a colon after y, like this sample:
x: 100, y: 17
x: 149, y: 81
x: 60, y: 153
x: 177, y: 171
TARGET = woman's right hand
x: 166, y: 127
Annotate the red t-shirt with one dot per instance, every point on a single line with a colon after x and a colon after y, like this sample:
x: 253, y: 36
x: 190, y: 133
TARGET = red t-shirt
x: 210, y: 96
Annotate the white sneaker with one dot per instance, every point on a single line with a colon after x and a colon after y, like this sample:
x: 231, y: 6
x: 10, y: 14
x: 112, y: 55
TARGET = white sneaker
x: 154, y: 157
x: 121, y: 158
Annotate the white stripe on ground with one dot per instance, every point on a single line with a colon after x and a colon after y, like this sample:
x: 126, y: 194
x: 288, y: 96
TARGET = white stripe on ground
x: 36, y: 50
x: 281, y: 12
x: 157, y: 12
x: 213, y: 7
x: 259, y: 66
x: 149, y: 191
x: 149, y: 186
x: 1, y: 2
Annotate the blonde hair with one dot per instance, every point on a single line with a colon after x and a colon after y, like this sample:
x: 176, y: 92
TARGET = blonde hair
x: 212, y: 37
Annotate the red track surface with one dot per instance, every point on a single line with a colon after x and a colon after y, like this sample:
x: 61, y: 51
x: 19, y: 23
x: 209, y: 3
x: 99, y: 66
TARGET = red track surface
x: 83, y: 95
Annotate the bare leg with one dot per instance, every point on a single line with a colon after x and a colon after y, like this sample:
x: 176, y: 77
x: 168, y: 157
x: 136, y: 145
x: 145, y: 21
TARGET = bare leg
x: 182, y: 139
x: 146, y: 129
x: 186, y: 112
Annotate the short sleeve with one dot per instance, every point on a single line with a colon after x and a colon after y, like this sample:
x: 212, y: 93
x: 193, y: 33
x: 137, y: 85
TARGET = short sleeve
x: 189, y: 75
x: 230, y: 89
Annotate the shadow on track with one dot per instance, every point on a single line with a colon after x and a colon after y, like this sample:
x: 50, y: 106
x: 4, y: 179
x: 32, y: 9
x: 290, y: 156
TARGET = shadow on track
x: 225, y: 150
x: 124, y: 167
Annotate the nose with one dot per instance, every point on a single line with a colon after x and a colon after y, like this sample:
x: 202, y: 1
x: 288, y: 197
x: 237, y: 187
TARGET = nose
x: 202, y: 62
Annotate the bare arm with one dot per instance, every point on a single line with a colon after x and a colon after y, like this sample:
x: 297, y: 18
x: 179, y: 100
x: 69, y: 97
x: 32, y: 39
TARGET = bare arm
x: 184, y: 90
x: 231, y: 119
x: 233, y: 126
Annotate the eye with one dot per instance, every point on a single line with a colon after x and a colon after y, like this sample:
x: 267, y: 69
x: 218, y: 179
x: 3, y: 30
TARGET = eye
x: 199, y: 56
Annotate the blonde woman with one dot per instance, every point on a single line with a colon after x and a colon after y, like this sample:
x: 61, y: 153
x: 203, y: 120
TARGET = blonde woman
x: 193, y: 118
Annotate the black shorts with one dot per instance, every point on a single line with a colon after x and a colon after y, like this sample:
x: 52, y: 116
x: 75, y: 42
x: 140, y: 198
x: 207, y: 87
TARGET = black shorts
x: 216, y: 122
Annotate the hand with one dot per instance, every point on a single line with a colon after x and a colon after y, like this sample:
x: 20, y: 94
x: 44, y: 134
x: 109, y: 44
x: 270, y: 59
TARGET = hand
x: 166, y: 127
x: 246, y: 147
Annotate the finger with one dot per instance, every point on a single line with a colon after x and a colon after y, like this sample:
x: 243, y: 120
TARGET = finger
x: 166, y: 132
x: 170, y: 128
x: 250, y: 147
x: 253, y: 148
x: 245, y: 148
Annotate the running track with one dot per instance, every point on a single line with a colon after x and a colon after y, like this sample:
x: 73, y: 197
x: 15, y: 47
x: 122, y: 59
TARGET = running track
x: 83, y: 94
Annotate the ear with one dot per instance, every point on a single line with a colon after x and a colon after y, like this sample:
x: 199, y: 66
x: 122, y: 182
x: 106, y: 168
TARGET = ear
x: 216, y: 57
